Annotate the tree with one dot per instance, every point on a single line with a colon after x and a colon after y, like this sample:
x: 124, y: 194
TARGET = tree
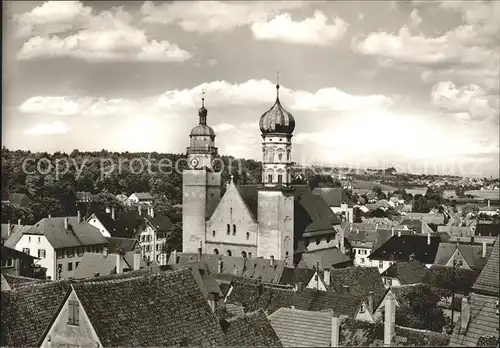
x: 418, y: 309
x: 324, y: 180
x: 420, y: 205
x: 42, y: 207
x: 13, y: 212
x: 103, y: 200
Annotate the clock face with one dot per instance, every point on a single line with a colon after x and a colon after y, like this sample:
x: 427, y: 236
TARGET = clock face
x: 194, y: 162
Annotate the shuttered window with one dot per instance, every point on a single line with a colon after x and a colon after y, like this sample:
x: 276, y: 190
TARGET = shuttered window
x: 73, y: 312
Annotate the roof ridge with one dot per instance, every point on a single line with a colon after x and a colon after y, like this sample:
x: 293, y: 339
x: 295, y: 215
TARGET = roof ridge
x: 142, y: 274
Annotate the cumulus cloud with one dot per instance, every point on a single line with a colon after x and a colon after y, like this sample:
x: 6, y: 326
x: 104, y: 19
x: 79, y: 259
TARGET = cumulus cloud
x: 78, y: 33
x: 213, y: 16
x: 54, y: 128
x: 415, y: 19
x: 312, y: 31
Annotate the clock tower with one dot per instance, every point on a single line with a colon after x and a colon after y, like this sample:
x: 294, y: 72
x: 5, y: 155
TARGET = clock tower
x: 200, y: 184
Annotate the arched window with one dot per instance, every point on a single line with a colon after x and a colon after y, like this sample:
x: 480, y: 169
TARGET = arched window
x: 248, y: 235
x: 234, y: 229
x: 280, y: 156
x: 231, y: 210
x: 216, y: 251
x: 243, y: 254
x: 213, y: 233
x: 228, y: 228
x: 229, y: 253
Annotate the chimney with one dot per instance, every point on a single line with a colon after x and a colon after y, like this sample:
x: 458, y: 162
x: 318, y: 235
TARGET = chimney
x: 139, y: 209
x: 199, y: 252
x: 399, y: 233
x: 113, y: 213
x: 370, y: 302
x: 137, y: 261
x: 341, y: 240
x: 335, y: 331
x: 390, y: 319
x: 108, y: 210
x: 105, y: 251
x: 326, y: 276
x: 19, y: 222
x: 65, y: 223
x: 428, y: 238
x: 49, y: 216
x: 174, y: 256
x: 119, y: 267
x: 464, y: 314
x: 392, y: 231
x: 271, y: 261
x: 219, y: 265
x: 79, y: 216
x: 213, y: 298
x: 152, y: 212
x: 484, y: 249
x: 8, y: 229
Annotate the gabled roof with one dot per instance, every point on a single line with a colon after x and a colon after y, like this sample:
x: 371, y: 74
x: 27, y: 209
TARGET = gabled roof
x: 143, y: 196
x: 333, y: 196
x: 400, y: 249
x: 407, y: 272
x: 164, y: 309
x: 92, y: 263
x: 327, y: 258
x: 117, y: 244
x: 298, y: 328
x: 18, y: 281
x: 317, y: 300
x: 488, y: 281
x: 471, y: 253
x: 16, y: 232
x: 292, y: 276
x: 251, y: 330
x: 159, y: 223
x: 373, y: 238
x: 29, y: 310
x: 249, y: 194
x: 122, y: 226
x: 483, y: 321
x: 78, y: 234
x: 13, y: 253
x: 204, y: 278
x: 361, y: 280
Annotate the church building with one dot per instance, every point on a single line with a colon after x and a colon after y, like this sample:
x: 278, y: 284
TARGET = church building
x: 273, y: 220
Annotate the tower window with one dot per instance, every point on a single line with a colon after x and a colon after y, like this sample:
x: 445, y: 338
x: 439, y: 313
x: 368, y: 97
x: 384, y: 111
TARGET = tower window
x: 280, y: 156
x: 280, y: 178
x: 243, y: 254
x: 269, y: 178
x: 216, y: 251
x: 213, y: 233
x: 228, y: 228
x: 231, y: 211
x: 229, y: 253
x: 234, y: 230
x: 248, y: 235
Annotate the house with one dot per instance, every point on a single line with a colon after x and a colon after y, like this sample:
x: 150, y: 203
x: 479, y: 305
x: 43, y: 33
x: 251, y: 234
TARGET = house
x: 403, y: 247
x: 419, y: 226
x: 153, y: 235
x: 17, y: 263
x: 101, y: 264
x: 8, y: 229
x: 479, y: 316
x: 467, y: 256
x: 330, y: 257
x: 142, y: 198
x: 487, y: 230
x: 121, y: 198
x: 337, y: 200
x: 404, y: 273
x: 115, y: 224
x: 118, y: 244
x: 59, y: 243
x: 299, y: 328
x: 416, y: 191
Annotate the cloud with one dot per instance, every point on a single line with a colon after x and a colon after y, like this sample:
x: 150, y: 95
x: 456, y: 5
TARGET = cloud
x: 311, y: 31
x: 79, y: 34
x: 415, y: 19
x: 223, y: 127
x: 465, y: 103
x: 213, y: 16
x: 53, y: 128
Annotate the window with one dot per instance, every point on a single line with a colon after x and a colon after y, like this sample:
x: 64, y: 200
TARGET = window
x: 29, y: 239
x: 39, y: 239
x: 280, y: 156
x: 269, y: 178
x: 41, y: 253
x: 388, y: 281
x: 243, y: 254
x: 460, y: 263
x: 26, y: 250
x: 59, y: 271
x: 73, y: 312
x: 381, y: 264
x: 71, y: 252
x: 80, y: 251
x: 280, y: 178
x: 362, y: 260
x: 229, y: 253
x: 70, y: 266
x: 228, y: 227
x: 250, y: 255
x: 7, y: 262
x: 216, y: 251
x: 248, y: 235
x: 213, y: 233
x: 362, y: 309
x: 76, y: 264
x: 234, y: 230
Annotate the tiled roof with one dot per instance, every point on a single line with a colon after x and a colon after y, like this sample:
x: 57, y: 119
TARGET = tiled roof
x: 254, y: 268
x: 297, y: 328
x: 18, y: 281
x: 164, y: 309
x: 5, y: 284
x: 333, y: 196
x: 293, y: 276
x: 30, y: 310
x: 483, y: 321
x: 117, y: 244
x: 122, y: 226
x: 317, y: 300
x: 16, y: 232
x: 326, y: 257
x: 11, y: 252
x: 160, y: 223
x: 251, y: 330
x: 373, y: 237
x: 471, y: 253
x: 78, y: 234
x: 92, y: 263
x: 487, y: 230
x: 361, y: 280
x: 400, y: 249
x: 488, y: 281
x: 274, y: 298
x: 407, y: 272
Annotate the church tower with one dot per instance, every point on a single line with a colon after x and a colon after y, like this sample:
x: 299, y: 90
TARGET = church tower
x: 200, y: 184
x: 276, y: 198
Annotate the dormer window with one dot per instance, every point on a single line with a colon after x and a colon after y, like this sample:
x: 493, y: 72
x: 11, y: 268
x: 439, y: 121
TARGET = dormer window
x: 73, y: 312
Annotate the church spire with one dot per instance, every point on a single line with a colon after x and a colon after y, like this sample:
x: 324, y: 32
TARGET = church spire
x: 202, y: 112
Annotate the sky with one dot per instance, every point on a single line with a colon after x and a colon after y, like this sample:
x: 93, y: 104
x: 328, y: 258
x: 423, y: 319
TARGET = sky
x: 408, y: 84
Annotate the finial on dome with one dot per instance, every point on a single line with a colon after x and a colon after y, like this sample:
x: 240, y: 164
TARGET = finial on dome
x: 277, y: 85
x: 202, y: 98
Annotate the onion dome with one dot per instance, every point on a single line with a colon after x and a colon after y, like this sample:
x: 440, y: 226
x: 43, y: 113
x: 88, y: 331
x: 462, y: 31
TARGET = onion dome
x: 202, y: 129
x: 277, y: 119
